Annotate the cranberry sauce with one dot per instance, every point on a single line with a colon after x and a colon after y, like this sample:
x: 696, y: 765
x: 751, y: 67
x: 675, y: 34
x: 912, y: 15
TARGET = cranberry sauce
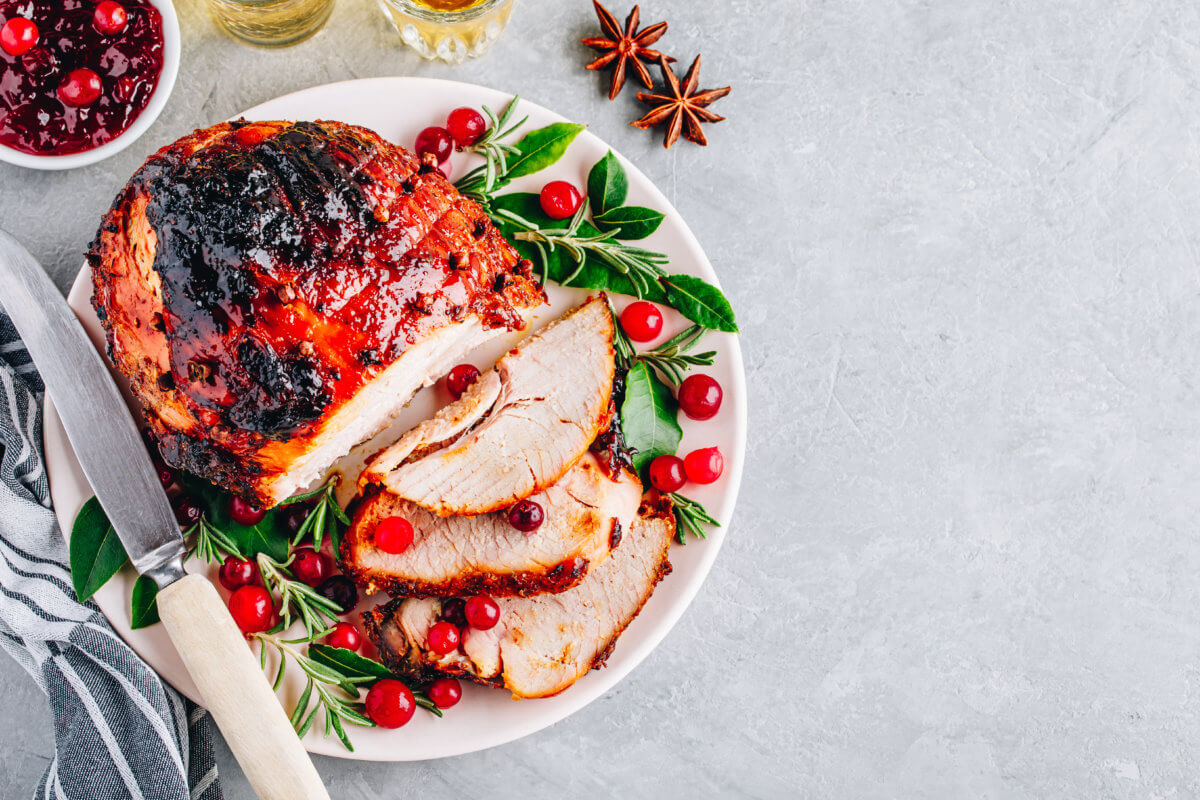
x: 47, y: 106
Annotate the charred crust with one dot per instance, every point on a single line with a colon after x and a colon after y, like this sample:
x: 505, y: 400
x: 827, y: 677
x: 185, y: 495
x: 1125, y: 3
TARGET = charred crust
x: 481, y: 227
x: 614, y: 538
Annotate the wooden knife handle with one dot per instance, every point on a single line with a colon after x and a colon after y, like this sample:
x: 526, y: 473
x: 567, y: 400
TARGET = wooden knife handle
x: 236, y: 692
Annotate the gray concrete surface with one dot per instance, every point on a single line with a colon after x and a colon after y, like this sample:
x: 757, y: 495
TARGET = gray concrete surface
x: 962, y: 238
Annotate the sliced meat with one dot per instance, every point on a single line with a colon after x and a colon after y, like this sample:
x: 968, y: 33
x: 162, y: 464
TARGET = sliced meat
x: 542, y: 644
x: 586, y: 515
x: 555, y: 396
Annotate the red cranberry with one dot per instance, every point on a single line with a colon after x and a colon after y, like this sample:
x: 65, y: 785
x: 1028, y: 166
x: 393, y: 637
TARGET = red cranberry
x: 466, y: 126
x: 341, y: 591
x: 445, y: 692
x: 482, y: 612
x: 390, y: 704
x: 166, y: 475
x: 310, y: 566
x: 125, y: 88
x: 560, y: 199
x: 437, y: 141
x: 109, y: 17
x: 344, y: 635
x: 642, y: 321
x: 251, y: 608
x: 292, y: 518
x: 237, y: 572
x: 394, y: 535
x: 18, y: 36
x: 667, y: 473
x: 81, y: 88
x: 187, y: 511
x: 443, y: 638
x: 459, y: 379
x: 454, y: 611
x: 700, y: 396
x: 526, y: 516
x: 243, y: 512
x: 704, y: 465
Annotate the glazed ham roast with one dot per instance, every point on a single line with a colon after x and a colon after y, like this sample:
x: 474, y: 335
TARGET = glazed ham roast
x: 586, y: 513
x: 276, y: 291
x: 542, y: 644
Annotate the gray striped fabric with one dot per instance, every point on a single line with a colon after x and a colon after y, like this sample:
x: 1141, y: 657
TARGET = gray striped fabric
x: 119, y: 731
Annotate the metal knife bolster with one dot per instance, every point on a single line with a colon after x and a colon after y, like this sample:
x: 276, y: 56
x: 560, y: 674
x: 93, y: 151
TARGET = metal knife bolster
x: 102, y: 432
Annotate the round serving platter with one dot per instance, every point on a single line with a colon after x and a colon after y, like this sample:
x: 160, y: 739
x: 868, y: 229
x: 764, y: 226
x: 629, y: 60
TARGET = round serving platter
x: 398, y: 108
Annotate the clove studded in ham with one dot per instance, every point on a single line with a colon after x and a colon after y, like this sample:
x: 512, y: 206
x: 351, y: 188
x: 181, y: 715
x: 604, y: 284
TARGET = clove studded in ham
x: 542, y: 644
x: 586, y: 515
x: 549, y: 399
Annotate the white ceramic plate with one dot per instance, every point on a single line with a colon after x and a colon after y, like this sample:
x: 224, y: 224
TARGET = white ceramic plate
x: 398, y: 108
x: 166, y: 82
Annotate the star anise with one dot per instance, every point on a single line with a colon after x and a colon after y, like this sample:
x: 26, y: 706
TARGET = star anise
x: 684, y: 109
x: 625, y: 47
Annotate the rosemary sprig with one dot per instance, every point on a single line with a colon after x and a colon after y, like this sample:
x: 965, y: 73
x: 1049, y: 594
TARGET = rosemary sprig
x: 672, y: 358
x: 480, y: 183
x: 336, y: 693
x: 625, y: 352
x: 690, y: 517
x: 212, y: 544
x: 326, y: 517
x: 642, y: 267
x: 298, y: 600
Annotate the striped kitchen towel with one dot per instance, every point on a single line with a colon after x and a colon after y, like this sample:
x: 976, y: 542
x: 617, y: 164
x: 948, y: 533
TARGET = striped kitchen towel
x: 119, y: 731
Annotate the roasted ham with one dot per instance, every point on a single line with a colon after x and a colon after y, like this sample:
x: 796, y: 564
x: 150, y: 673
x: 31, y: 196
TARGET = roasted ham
x: 542, y: 644
x: 275, y: 292
x: 586, y: 514
x: 528, y: 421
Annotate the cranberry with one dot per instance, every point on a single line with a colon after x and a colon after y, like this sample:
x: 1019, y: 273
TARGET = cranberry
x: 459, y: 379
x: 443, y: 638
x: 482, y: 612
x: 704, y: 465
x: 251, y: 608
x: 166, y: 475
x: 445, y: 692
x: 466, y: 126
x: 81, y: 88
x: 292, y: 518
x: 109, y: 17
x: 700, y: 396
x: 642, y: 321
x: 187, y: 511
x: 342, y: 591
x: 390, y: 703
x: 310, y: 566
x: 454, y: 611
x: 344, y: 635
x: 18, y: 36
x: 526, y: 516
x: 667, y: 473
x: 437, y: 141
x: 237, y: 572
x: 125, y: 89
x: 393, y: 535
x: 243, y: 512
x: 560, y: 199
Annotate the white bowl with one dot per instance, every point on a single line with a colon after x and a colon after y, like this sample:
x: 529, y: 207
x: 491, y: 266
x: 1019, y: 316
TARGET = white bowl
x: 166, y: 82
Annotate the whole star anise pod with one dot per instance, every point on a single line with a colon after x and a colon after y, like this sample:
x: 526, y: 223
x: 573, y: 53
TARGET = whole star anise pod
x: 625, y: 47
x: 684, y: 109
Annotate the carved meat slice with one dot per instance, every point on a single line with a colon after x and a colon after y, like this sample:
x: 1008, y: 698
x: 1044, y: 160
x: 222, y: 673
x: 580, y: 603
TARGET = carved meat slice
x: 555, y: 397
x: 586, y: 514
x: 542, y: 644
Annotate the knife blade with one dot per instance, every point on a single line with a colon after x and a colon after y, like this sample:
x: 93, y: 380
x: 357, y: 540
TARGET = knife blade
x: 106, y: 441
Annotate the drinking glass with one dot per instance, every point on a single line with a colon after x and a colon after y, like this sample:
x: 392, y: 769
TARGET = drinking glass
x: 448, y: 30
x: 272, y: 23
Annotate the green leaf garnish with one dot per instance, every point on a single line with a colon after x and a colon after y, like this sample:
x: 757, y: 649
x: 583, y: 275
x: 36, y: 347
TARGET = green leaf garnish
x: 629, y: 222
x: 648, y: 416
x: 541, y: 148
x: 95, y: 551
x: 701, y: 302
x: 607, y: 184
x: 143, y: 610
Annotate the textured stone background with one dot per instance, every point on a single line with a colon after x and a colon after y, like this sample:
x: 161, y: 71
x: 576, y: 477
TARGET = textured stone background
x: 962, y: 239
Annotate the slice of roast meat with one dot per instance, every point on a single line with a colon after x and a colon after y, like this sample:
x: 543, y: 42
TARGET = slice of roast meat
x: 276, y: 291
x: 543, y: 644
x: 555, y: 396
x: 586, y: 514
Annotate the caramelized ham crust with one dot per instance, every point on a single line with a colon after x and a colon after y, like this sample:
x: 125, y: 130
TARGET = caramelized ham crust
x: 586, y: 513
x: 542, y: 644
x: 275, y: 291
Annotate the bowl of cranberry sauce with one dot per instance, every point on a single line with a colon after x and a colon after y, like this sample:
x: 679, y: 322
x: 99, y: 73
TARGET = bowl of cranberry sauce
x: 81, y: 79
